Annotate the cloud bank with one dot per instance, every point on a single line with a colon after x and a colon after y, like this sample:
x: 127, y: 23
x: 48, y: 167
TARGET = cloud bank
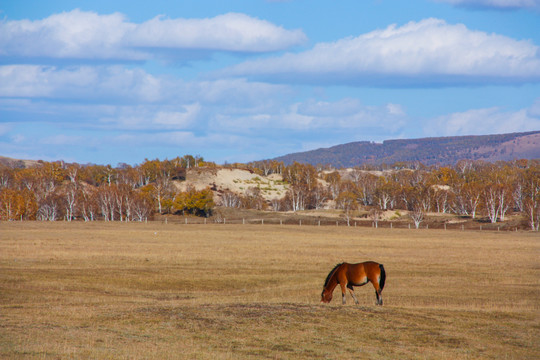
x: 486, y: 121
x: 425, y: 53
x: 87, y: 35
x: 118, y: 98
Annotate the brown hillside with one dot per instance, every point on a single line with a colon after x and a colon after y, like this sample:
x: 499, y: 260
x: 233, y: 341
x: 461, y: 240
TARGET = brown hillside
x: 15, y: 163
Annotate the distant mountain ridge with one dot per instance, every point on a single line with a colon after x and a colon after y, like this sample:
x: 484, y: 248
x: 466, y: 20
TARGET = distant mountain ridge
x: 428, y: 151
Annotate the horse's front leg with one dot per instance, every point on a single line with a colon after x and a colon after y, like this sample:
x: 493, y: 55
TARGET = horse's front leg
x: 343, y: 293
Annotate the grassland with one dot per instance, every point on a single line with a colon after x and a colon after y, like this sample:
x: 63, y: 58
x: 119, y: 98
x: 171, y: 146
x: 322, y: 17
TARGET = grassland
x: 157, y: 291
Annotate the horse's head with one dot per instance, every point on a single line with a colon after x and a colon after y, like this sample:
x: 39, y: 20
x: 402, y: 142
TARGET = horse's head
x: 326, y: 296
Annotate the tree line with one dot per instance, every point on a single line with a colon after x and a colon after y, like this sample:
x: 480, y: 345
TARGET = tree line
x: 469, y: 188
x: 56, y: 190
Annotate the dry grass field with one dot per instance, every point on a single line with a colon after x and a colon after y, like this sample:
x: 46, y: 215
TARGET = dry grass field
x: 158, y: 291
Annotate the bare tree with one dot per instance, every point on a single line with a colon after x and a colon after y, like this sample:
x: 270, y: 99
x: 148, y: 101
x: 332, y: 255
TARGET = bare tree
x: 319, y: 195
x: 531, y: 199
x: 107, y: 201
x: 417, y: 215
x: 376, y: 214
x: 49, y: 209
x: 497, y: 200
x: 347, y: 201
x: 297, y: 195
x: 442, y: 198
x: 70, y: 200
x: 253, y: 199
x: 230, y: 199
x: 276, y: 204
x: 88, y: 204
x: 162, y: 190
x: 142, y: 208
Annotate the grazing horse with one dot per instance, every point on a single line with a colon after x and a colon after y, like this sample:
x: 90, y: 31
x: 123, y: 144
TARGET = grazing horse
x: 349, y: 275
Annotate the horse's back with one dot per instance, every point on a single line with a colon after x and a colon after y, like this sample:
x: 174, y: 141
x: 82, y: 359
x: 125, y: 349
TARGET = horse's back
x: 367, y: 265
x: 370, y: 269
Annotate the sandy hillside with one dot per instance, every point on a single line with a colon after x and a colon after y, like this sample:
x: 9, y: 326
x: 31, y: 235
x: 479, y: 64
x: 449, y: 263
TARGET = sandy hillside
x: 235, y: 180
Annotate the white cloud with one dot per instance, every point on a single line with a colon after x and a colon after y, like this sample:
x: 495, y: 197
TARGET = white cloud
x: 5, y: 129
x: 345, y: 116
x: 482, y: 122
x: 87, y: 35
x: 340, y: 108
x: 229, y: 32
x: 239, y: 92
x: 534, y: 110
x: 183, y: 139
x: 496, y: 4
x: 75, y: 34
x: 105, y: 84
x: 150, y: 117
x: 178, y: 119
x: 62, y: 139
x: 426, y: 53
x: 84, y: 82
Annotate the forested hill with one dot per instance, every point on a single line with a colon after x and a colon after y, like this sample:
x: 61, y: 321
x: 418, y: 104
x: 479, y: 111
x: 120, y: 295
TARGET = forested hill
x: 428, y: 151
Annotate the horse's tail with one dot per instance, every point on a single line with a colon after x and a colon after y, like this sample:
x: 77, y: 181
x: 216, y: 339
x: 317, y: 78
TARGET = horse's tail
x: 383, y: 277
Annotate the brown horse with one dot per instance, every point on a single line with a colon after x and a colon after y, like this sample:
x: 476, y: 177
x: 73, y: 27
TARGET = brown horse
x: 349, y: 275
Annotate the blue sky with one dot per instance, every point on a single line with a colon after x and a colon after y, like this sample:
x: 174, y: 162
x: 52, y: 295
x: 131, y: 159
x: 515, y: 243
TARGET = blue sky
x: 240, y: 80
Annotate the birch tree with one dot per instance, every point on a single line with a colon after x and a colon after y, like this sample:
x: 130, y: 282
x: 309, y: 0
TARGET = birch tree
x: 70, y: 200
x: 531, y: 200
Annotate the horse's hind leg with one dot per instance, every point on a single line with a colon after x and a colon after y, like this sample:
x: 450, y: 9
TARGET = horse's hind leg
x: 379, y: 297
x: 378, y: 293
x: 351, y: 290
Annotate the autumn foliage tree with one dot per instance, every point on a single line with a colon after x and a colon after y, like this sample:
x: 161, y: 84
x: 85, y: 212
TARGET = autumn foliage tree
x: 197, y: 202
x: 346, y: 201
x: 16, y: 204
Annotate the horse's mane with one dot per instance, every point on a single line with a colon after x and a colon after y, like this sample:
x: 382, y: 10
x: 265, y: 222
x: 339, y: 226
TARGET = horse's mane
x: 331, y: 273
